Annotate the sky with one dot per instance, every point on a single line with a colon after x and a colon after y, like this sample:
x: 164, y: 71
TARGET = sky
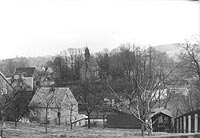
x: 45, y: 27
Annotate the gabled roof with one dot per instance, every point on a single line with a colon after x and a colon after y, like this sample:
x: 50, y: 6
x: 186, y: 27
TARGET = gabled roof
x: 161, y: 110
x: 57, y: 97
x: 27, y: 72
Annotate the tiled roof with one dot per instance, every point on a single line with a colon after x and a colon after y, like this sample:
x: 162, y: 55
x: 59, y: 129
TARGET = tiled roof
x: 61, y: 96
x: 27, y: 72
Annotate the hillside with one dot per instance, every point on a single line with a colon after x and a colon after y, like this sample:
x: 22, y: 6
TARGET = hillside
x: 7, y: 66
x: 171, y: 49
x: 38, y: 62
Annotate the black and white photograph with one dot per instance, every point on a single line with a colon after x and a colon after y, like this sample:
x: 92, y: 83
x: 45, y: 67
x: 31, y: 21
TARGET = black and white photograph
x: 99, y: 68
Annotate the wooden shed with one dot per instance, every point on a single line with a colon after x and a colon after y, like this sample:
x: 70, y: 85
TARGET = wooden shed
x: 162, y: 120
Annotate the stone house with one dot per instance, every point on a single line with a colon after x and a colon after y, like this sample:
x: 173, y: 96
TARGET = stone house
x: 60, y: 104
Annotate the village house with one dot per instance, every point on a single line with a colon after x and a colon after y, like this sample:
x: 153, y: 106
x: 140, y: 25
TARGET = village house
x: 27, y: 74
x: 61, y: 106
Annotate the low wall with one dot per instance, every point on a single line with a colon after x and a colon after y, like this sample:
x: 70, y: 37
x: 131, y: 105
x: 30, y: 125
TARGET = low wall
x: 180, y: 135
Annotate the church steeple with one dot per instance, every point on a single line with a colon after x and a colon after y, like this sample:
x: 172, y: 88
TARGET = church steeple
x: 87, y: 54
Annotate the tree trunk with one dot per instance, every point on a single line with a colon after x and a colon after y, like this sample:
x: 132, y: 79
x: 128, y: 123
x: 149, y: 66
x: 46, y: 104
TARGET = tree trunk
x: 142, y: 130
x: 59, y: 120
x: 3, y: 125
x: 88, y: 121
x: 71, y: 117
x: 59, y: 115
x: 16, y: 122
x: 46, y: 120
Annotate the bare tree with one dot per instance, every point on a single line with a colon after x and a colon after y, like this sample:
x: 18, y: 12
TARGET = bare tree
x: 189, y: 73
x: 190, y: 59
x: 144, y: 80
x: 67, y: 103
x: 90, y: 95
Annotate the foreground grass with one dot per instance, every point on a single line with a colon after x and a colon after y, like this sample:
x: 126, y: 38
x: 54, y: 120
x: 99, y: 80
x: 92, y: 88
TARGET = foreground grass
x: 37, y: 131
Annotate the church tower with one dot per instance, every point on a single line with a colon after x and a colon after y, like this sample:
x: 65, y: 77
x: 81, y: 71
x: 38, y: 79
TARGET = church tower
x: 87, y: 54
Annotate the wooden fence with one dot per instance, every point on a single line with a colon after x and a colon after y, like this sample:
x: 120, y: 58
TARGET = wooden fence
x: 188, y: 123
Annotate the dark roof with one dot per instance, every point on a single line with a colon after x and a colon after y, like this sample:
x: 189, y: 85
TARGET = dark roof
x: 123, y: 120
x: 27, y: 72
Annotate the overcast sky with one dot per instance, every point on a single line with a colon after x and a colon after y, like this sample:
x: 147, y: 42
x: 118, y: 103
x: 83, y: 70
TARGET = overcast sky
x: 46, y: 27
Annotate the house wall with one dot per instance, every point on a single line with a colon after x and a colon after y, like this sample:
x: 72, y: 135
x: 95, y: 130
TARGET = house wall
x: 5, y: 88
x: 39, y: 115
x: 29, y: 82
x: 84, y: 75
x: 90, y: 73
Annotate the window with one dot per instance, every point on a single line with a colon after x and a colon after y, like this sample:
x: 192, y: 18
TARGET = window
x: 34, y: 113
x: 160, y: 119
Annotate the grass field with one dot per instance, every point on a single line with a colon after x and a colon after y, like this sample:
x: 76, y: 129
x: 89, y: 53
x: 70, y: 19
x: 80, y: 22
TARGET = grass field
x: 37, y: 131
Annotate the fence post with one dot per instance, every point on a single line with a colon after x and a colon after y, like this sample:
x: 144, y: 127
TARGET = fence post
x: 196, y: 123
x: 177, y: 124
x: 181, y: 126
x: 189, y: 123
x: 184, y: 124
